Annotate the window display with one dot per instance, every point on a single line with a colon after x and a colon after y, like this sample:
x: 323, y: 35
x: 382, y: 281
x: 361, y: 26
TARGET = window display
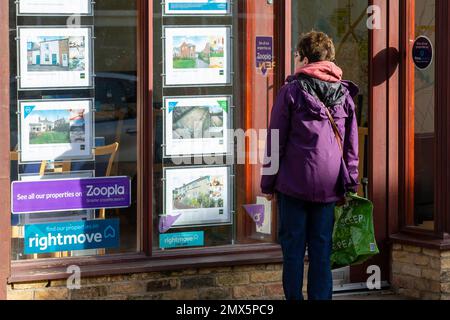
x: 197, y: 55
x: 52, y: 58
x: 56, y: 130
x: 200, y: 195
x: 74, y: 116
x: 196, y: 125
x: 55, y: 7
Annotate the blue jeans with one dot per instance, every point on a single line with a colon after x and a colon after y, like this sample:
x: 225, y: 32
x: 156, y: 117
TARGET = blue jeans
x: 304, y: 224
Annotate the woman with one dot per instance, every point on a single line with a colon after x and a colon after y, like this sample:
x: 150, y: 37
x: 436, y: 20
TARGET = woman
x: 318, y: 163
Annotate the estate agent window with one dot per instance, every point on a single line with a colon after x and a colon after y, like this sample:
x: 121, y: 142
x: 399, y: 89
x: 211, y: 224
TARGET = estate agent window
x: 74, y: 118
x: 126, y: 123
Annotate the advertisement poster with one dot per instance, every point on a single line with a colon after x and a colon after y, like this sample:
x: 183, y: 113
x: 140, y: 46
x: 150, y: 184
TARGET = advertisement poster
x: 199, y: 195
x: 56, y: 130
x: 197, y: 7
x: 182, y: 240
x: 70, y: 194
x: 54, y: 58
x: 55, y: 7
x: 264, y: 54
x: 196, y: 126
x: 70, y: 236
x: 48, y: 217
x: 197, y: 56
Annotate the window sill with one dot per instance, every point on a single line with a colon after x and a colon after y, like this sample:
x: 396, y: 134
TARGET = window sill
x: 421, y: 240
x: 52, y: 269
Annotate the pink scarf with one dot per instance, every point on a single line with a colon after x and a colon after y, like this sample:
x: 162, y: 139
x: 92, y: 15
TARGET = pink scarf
x: 323, y: 70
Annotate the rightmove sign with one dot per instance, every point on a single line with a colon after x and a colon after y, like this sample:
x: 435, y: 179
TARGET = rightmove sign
x: 71, y: 236
x: 70, y: 194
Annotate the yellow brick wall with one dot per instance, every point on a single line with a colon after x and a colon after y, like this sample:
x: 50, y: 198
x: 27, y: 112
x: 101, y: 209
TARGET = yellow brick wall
x: 421, y: 273
x: 240, y: 283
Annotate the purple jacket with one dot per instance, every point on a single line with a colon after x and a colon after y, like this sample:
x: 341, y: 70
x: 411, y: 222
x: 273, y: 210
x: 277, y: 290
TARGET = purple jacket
x: 311, y: 164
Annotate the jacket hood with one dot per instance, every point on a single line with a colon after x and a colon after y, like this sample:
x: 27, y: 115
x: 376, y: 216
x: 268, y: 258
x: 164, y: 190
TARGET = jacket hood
x: 329, y: 93
x: 323, y: 88
x: 323, y: 70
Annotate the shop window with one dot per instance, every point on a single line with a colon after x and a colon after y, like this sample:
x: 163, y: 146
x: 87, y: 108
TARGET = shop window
x: 419, y: 114
x: 74, y: 117
x: 76, y: 110
x: 204, y: 64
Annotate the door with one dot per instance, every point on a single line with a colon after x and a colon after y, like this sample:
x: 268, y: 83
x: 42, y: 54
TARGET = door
x: 54, y: 59
x: 346, y: 22
x: 38, y: 60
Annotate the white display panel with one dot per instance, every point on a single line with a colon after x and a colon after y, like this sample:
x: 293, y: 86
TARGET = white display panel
x: 56, y: 130
x: 196, y: 125
x: 197, y: 56
x: 201, y: 195
x: 55, y: 58
x: 55, y: 7
x: 197, y: 7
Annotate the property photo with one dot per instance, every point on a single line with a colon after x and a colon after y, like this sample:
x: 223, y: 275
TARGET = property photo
x: 54, y: 53
x: 57, y: 127
x: 77, y: 126
x: 198, y: 122
x: 203, y: 193
x: 198, y: 52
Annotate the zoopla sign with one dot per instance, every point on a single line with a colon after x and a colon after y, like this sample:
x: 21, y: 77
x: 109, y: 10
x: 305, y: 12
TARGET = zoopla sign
x: 70, y: 194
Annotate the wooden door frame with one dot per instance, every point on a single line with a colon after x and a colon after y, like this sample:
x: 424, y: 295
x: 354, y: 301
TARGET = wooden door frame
x: 383, y: 134
x: 5, y: 220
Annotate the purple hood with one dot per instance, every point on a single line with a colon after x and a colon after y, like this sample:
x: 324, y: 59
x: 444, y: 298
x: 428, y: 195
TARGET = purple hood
x: 311, y: 165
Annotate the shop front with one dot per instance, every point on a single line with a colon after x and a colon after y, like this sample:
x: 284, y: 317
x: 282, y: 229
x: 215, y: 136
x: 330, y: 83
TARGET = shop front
x: 134, y: 134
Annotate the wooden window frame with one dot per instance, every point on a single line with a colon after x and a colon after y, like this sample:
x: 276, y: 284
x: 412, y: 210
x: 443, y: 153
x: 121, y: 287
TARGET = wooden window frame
x: 5, y: 221
x: 146, y: 260
x: 438, y: 238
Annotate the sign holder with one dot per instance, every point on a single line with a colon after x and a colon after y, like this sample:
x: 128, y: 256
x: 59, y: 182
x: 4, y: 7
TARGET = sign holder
x: 229, y: 205
x: 228, y: 50
x: 166, y: 3
x: 230, y: 117
x: 90, y: 7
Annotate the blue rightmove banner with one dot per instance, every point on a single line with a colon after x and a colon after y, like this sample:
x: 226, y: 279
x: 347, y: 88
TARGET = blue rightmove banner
x: 71, y: 236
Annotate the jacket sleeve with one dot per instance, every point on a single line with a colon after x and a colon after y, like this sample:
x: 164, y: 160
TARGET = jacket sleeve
x: 351, y: 145
x: 280, y: 120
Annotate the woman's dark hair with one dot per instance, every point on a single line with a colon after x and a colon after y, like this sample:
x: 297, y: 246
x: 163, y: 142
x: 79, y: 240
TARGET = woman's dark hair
x: 316, y: 46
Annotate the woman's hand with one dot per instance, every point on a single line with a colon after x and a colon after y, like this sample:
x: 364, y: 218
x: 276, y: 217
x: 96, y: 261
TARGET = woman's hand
x: 341, y: 202
x: 269, y: 197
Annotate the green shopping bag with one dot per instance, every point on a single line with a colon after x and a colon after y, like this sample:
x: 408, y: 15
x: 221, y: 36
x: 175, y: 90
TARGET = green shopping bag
x: 353, y: 235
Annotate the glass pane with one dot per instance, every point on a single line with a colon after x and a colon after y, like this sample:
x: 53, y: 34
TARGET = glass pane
x: 198, y: 95
x: 424, y: 130
x: 110, y: 123
x: 345, y: 22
